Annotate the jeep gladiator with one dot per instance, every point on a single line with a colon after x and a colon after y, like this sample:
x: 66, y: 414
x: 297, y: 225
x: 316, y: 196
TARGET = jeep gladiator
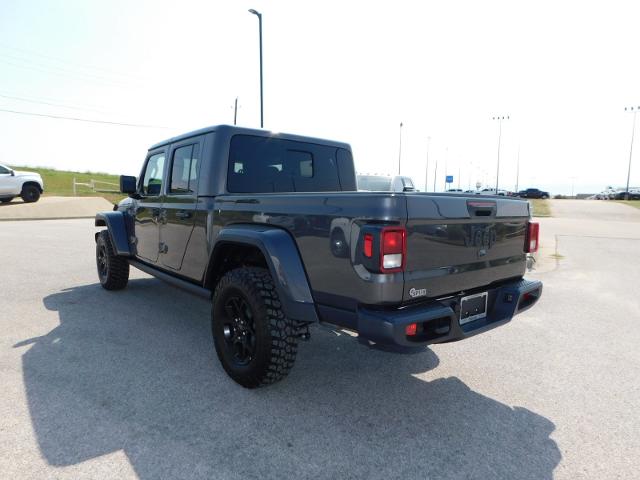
x: 271, y: 228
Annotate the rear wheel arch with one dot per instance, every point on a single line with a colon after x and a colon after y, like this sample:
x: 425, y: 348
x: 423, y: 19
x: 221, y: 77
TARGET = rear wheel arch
x: 229, y: 255
x: 273, y: 249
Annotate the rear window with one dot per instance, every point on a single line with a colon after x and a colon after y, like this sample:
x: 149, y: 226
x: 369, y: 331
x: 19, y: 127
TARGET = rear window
x: 267, y: 164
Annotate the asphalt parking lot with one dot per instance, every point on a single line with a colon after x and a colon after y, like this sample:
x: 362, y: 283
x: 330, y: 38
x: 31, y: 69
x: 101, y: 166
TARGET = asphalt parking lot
x: 99, y: 384
x: 53, y: 207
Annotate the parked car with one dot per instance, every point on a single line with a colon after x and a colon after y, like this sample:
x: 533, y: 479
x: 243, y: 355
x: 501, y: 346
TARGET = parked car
x: 385, y: 183
x: 13, y: 183
x: 622, y: 195
x: 492, y: 191
x: 216, y: 212
x: 533, y: 193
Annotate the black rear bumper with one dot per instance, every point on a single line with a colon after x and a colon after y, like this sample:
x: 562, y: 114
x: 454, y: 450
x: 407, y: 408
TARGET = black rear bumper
x: 438, y: 322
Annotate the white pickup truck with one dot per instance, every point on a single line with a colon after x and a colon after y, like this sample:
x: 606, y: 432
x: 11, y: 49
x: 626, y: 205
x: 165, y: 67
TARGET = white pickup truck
x: 27, y: 185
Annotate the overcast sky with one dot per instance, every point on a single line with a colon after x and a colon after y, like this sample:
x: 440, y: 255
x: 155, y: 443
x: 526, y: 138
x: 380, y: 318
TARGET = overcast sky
x: 350, y: 71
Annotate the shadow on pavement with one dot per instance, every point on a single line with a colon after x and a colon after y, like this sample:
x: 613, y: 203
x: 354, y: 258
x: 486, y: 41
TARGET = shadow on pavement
x: 15, y: 201
x: 136, y: 371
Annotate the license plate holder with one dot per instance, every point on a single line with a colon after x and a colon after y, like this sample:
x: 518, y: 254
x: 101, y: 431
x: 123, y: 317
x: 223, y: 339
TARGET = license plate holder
x: 473, y: 307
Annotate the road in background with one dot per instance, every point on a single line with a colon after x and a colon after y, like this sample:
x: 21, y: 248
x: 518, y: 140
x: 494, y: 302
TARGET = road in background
x: 127, y: 384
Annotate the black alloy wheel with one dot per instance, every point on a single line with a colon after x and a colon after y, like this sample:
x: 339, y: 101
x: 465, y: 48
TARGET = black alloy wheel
x: 113, y: 270
x: 238, y: 329
x: 102, y: 262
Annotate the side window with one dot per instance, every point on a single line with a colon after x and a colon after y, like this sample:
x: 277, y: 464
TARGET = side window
x: 152, y: 181
x: 301, y: 163
x: 4, y: 170
x: 184, y: 170
x: 345, y: 170
x: 195, y: 168
x: 180, y: 170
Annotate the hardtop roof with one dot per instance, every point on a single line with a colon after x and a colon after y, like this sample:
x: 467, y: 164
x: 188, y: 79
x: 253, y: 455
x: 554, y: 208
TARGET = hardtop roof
x: 231, y: 130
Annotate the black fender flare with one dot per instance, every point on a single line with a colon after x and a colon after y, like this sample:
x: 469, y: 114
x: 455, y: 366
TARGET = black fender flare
x: 284, y: 262
x: 116, y: 224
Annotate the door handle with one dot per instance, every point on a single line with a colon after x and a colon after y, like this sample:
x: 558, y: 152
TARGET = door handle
x: 183, y: 214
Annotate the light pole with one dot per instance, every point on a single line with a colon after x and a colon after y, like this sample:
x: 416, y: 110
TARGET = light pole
x: 500, y: 119
x: 259, y: 15
x: 517, y: 171
x: 435, y: 175
x: 426, y: 175
x: 633, y: 130
x: 446, y: 161
x: 400, y: 149
x: 235, y: 111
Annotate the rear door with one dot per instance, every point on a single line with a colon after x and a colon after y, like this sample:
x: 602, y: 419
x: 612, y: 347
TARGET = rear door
x: 147, y: 215
x: 178, y: 208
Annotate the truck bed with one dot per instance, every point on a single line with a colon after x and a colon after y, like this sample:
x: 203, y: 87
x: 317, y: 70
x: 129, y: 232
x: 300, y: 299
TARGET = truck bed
x: 454, y: 242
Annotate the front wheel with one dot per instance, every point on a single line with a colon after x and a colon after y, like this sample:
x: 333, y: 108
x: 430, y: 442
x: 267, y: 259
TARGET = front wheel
x: 30, y: 193
x: 255, y: 342
x: 113, y: 271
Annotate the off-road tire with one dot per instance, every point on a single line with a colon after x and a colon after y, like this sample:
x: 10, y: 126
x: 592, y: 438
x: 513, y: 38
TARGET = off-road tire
x: 275, y: 335
x: 30, y: 194
x: 113, y: 271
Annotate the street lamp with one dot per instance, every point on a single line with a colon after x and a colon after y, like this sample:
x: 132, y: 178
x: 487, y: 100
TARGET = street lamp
x: 517, y: 171
x: 633, y: 129
x: 400, y: 149
x: 426, y: 175
x: 500, y: 120
x: 259, y: 15
x: 446, y: 161
x: 435, y: 175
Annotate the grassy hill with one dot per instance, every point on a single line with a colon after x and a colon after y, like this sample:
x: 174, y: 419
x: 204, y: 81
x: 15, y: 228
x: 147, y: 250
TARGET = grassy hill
x: 60, y: 183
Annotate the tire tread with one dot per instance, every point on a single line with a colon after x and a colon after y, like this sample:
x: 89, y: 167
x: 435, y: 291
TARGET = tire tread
x: 284, y: 332
x: 118, y: 271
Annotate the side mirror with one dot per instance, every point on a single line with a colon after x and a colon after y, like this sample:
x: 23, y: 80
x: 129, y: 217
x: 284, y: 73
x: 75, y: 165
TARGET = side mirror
x: 128, y: 184
x: 13, y: 173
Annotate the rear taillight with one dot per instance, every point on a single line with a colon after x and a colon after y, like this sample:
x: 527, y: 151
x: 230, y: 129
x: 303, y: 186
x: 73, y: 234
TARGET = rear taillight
x: 393, y: 248
x: 368, y: 245
x: 531, y: 239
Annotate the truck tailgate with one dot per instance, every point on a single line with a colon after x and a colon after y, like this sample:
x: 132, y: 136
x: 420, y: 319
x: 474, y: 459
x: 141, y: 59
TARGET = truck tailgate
x: 457, y: 243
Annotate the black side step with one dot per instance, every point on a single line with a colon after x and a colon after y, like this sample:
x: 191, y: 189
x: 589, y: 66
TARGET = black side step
x: 175, y: 281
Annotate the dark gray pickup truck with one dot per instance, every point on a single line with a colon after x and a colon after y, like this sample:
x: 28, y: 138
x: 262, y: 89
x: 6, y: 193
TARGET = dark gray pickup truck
x: 271, y: 227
